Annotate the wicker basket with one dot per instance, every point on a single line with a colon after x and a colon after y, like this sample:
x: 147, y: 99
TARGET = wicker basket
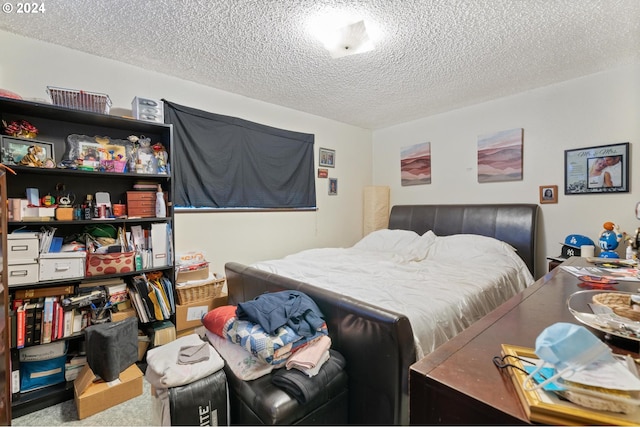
x: 619, y: 303
x: 191, y: 293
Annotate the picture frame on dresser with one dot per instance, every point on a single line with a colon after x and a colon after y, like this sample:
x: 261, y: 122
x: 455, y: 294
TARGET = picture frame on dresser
x: 547, y: 407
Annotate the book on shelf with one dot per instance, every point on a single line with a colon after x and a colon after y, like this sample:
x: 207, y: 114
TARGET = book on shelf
x: 141, y: 298
x: 37, y: 327
x: 15, y: 375
x: 20, y: 325
x: 68, y: 323
x: 45, y: 292
x: 30, y: 318
x: 47, y: 320
x: 618, y: 273
x: 139, y: 305
x: 78, y: 317
x: 14, y: 322
x: 59, y: 320
x: 101, y: 282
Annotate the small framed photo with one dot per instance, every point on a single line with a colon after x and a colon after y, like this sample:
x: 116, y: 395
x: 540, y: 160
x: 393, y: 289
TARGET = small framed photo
x: 327, y: 157
x: 333, y: 186
x: 15, y: 149
x: 548, y: 194
x: 323, y: 173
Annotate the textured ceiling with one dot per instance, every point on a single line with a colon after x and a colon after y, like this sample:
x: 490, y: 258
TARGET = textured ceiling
x: 431, y: 56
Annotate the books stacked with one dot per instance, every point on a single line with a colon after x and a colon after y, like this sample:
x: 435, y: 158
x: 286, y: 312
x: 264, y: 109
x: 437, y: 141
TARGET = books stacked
x: 39, y: 317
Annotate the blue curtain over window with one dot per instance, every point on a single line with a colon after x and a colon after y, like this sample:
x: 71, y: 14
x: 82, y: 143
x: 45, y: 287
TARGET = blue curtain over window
x: 226, y: 162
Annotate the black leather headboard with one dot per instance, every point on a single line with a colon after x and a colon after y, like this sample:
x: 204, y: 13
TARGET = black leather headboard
x: 514, y: 224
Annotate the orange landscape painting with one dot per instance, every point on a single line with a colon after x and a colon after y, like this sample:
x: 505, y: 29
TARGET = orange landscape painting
x: 415, y: 164
x: 500, y: 156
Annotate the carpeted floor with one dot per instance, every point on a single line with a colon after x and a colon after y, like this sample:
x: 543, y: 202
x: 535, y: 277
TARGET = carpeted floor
x: 134, y: 412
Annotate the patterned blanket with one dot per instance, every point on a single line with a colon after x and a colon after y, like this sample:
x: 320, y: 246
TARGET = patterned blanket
x: 273, y: 349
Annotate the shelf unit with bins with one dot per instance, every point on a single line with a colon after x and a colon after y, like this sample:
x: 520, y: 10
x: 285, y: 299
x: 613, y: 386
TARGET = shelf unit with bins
x: 54, y: 125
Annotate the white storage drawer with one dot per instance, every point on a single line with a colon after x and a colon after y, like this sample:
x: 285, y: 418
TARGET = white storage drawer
x: 19, y: 274
x: 22, y: 248
x: 62, y: 265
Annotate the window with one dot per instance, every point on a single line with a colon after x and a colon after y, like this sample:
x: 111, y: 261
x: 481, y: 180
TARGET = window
x: 227, y: 162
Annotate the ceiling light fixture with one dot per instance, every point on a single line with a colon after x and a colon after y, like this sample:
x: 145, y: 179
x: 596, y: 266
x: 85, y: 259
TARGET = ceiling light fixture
x: 347, y: 40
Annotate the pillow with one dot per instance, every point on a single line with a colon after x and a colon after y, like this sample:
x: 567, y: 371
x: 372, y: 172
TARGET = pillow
x: 243, y: 364
x: 216, y: 319
x: 407, y: 245
x: 460, y: 246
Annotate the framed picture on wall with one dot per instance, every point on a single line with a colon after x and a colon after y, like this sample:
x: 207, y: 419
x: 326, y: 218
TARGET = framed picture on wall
x: 333, y: 186
x: 327, y: 157
x: 548, y: 194
x: 600, y: 169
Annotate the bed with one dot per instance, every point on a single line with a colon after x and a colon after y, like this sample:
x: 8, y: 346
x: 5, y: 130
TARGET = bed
x: 381, y: 335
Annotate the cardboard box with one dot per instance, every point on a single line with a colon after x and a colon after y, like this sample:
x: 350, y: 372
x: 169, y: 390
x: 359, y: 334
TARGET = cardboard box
x: 117, y: 316
x: 188, y: 275
x: 200, y: 330
x: 190, y: 315
x: 93, y: 396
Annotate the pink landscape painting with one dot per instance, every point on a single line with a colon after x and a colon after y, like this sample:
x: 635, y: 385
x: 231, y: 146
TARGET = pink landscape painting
x: 500, y: 156
x: 415, y: 164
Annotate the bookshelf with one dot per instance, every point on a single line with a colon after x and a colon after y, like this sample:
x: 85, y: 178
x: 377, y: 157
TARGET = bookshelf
x: 65, y: 135
x: 5, y: 352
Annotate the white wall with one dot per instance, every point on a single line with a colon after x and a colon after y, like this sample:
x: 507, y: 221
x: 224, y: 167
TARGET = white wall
x: 594, y: 110
x: 242, y: 237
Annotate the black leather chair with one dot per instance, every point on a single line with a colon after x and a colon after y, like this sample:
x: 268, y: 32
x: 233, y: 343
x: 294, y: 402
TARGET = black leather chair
x: 260, y: 402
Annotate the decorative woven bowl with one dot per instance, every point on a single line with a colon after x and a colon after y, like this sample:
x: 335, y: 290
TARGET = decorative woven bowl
x: 619, y: 303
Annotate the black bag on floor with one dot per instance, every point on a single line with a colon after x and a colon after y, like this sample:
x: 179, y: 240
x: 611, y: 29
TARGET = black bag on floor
x: 112, y: 347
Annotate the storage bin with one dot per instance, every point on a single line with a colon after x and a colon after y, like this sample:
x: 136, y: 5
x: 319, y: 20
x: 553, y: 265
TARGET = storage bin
x: 111, y: 263
x: 141, y: 204
x: 22, y: 248
x: 42, y: 373
x: 62, y: 265
x: 79, y: 99
x: 19, y: 274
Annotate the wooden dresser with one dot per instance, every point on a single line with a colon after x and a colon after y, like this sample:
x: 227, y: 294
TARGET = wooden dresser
x: 458, y: 382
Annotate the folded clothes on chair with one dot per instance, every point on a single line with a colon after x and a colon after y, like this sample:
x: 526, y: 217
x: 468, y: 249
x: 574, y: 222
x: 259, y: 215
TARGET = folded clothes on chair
x: 311, y: 356
x: 304, y: 388
x: 165, y: 371
x: 193, y: 354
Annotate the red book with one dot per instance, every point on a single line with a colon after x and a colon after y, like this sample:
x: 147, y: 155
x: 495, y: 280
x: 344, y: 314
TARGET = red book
x: 21, y: 326
x: 60, y: 323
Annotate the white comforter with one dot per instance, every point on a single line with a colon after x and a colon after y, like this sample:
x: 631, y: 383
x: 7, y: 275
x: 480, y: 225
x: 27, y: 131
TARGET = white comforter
x: 442, y: 284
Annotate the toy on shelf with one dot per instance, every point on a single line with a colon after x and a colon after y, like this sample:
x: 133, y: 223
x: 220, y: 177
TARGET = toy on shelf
x: 609, y: 240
